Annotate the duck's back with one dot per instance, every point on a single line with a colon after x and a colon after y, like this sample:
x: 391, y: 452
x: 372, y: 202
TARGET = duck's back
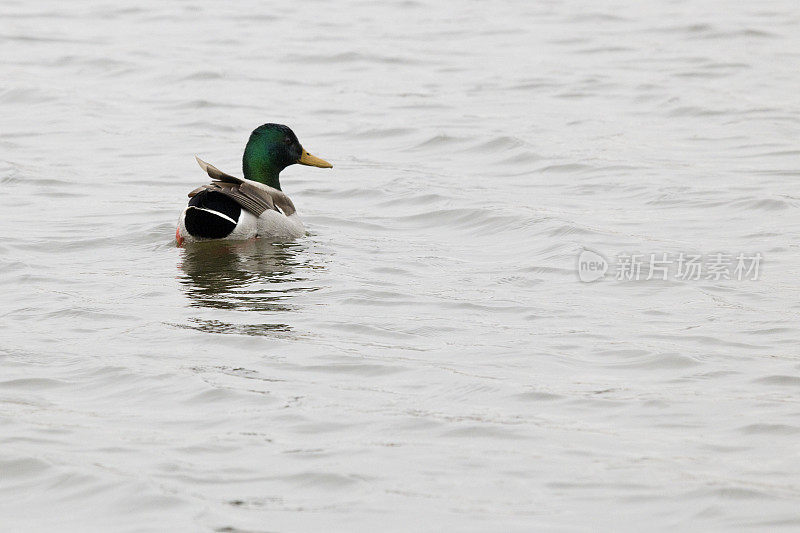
x: 213, y: 215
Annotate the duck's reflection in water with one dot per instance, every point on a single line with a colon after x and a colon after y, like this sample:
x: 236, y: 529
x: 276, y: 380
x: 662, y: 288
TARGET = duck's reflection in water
x: 257, y: 276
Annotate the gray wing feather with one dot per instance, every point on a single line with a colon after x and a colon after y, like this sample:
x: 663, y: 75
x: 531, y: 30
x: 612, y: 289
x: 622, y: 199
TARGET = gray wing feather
x: 252, y: 196
x: 217, y: 174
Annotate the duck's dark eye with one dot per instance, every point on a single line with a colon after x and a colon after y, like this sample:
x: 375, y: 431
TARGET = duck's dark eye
x: 287, y: 141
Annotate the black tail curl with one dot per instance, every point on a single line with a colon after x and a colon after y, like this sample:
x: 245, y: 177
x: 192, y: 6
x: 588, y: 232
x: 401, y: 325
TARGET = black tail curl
x: 211, y: 215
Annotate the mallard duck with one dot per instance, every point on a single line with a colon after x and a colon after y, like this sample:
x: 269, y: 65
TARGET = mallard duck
x: 239, y: 209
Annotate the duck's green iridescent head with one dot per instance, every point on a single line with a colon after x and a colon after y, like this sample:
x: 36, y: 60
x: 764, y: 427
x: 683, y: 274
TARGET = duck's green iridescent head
x: 271, y: 148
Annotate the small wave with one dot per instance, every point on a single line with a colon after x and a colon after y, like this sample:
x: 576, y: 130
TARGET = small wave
x: 696, y: 111
x: 779, y: 380
x: 206, y: 104
x: 499, y: 144
x: 381, y: 133
x: 770, y: 429
x: 536, y: 396
x: 438, y: 142
x: 763, y: 204
x: 353, y: 57
x: 202, y: 75
x: 472, y: 219
x: 23, y: 467
x: 27, y: 95
x: 32, y: 384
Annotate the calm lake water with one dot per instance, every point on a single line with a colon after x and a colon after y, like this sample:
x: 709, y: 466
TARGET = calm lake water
x: 427, y: 358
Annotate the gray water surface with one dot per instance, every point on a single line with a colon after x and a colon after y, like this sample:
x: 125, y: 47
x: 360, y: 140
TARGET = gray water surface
x: 426, y: 359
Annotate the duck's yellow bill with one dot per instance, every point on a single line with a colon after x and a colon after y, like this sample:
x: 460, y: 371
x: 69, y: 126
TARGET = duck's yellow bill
x: 313, y: 161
